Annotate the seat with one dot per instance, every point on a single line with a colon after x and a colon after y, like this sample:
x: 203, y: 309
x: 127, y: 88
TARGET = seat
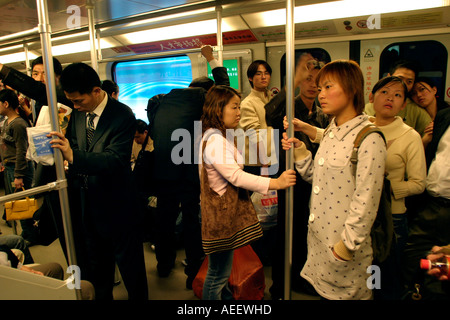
x: 22, y: 285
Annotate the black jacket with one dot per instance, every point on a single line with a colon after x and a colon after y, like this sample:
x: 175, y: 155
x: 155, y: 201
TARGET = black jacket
x: 107, y: 165
x: 178, y: 110
x: 31, y: 88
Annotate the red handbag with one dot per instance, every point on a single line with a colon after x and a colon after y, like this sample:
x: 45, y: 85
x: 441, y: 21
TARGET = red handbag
x: 247, y: 280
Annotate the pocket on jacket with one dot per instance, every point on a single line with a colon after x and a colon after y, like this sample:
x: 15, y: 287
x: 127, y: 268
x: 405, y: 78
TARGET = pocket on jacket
x: 338, y: 271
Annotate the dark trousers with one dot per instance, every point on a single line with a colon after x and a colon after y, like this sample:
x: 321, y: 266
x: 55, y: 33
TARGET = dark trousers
x: 173, y: 196
x: 392, y: 286
x: 302, y: 192
x: 100, y: 252
x: 429, y: 227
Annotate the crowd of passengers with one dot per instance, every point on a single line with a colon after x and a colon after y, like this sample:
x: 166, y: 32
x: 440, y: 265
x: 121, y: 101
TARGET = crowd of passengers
x: 206, y: 206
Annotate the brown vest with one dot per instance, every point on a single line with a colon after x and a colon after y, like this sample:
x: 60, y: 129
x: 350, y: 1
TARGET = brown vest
x: 228, y: 221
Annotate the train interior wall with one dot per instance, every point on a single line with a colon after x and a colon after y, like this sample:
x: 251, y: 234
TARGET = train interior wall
x: 368, y: 57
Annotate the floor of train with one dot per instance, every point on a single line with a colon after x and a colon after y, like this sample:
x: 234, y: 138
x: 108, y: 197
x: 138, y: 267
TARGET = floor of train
x: 171, y: 288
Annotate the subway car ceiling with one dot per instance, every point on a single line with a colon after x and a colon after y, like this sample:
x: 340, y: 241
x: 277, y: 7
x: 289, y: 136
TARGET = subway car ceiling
x: 128, y: 29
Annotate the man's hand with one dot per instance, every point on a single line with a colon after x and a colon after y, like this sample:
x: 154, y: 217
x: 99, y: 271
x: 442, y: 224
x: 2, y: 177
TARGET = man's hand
x: 62, y: 144
x: 287, y: 143
x: 207, y: 52
x: 303, y: 68
x: 28, y: 269
x: 436, y: 254
x: 18, y: 183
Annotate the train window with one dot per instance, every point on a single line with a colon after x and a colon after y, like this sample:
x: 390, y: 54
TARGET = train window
x: 234, y: 72
x: 318, y: 53
x: 431, y: 57
x: 139, y: 80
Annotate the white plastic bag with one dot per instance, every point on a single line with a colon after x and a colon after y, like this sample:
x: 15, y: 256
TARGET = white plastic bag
x: 39, y: 149
x: 266, y: 206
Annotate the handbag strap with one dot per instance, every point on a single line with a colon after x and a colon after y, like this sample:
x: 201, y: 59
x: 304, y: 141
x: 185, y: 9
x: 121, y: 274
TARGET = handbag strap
x: 26, y: 198
x: 23, y: 189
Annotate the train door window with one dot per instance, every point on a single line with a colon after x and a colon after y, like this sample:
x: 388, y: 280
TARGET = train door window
x: 430, y: 56
x: 318, y: 53
x: 139, y: 80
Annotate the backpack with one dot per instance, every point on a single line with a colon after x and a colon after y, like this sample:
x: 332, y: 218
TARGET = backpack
x: 382, y: 232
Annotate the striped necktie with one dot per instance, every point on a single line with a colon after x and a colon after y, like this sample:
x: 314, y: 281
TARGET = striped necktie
x: 89, y: 135
x: 90, y: 128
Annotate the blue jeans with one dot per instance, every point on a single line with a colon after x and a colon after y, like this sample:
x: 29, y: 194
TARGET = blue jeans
x: 13, y: 241
x: 216, y: 281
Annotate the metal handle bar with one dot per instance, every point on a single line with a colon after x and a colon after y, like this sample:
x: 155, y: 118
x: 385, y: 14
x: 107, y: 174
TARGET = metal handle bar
x: 56, y: 185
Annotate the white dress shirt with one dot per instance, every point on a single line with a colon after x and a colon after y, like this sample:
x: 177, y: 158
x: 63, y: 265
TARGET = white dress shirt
x: 438, y: 179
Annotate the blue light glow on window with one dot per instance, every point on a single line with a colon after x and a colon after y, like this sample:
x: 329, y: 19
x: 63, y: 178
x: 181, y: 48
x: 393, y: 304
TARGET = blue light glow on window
x: 139, y: 80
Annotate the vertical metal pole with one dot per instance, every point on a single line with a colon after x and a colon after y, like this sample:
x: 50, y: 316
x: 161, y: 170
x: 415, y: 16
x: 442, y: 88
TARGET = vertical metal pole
x: 219, y: 34
x: 29, y: 73
x: 27, y: 59
x: 290, y: 65
x: 90, y: 9
x: 99, y: 48
x: 44, y: 31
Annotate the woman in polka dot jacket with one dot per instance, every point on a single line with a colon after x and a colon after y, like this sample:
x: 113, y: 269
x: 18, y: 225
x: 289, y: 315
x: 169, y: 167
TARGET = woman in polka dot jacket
x: 342, y: 207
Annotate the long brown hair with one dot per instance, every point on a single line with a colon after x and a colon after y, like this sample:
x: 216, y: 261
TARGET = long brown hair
x: 216, y: 100
x: 349, y: 75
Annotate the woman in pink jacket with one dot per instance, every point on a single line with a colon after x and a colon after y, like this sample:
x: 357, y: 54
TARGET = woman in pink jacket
x: 228, y: 217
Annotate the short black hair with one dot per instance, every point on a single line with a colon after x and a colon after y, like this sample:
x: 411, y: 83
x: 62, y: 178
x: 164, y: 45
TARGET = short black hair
x: 253, y: 68
x: 110, y: 86
x: 79, y: 77
x: 8, y: 95
x: 410, y: 65
x: 57, y: 67
x: 141, y: 126
x: 386, y: 80
x: 202, y: 82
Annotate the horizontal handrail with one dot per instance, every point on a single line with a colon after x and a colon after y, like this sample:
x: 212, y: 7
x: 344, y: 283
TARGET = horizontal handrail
x: 56, y: 185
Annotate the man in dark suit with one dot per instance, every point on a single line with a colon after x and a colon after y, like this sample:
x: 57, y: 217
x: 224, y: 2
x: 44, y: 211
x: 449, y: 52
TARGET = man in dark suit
x: 98, y: 148
x: 176, y: 180
x: 306, y: 109
x: 34, y: 87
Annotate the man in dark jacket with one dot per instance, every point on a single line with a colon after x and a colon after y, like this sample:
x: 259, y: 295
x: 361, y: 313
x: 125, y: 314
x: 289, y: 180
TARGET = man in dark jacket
x: 307, y: 110
x: 176, y: 171
x: 98, y: 149
x: 34, y: 87
x: 429, y: 215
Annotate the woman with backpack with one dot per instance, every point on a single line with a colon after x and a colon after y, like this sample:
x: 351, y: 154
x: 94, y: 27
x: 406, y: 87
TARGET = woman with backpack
x: 343, y: 206
x: 406, y: 172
